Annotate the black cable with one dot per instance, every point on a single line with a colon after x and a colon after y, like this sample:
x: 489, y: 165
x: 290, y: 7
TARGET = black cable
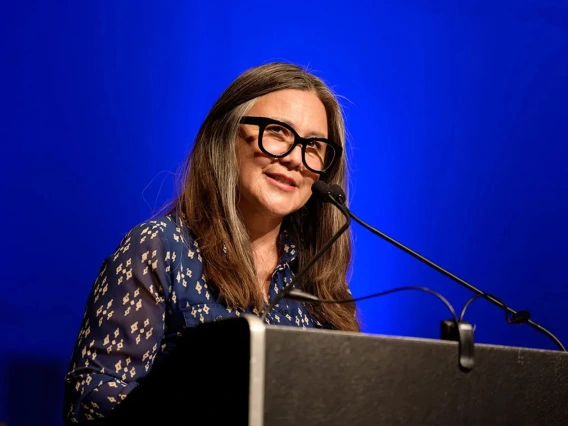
x: 302, y: 296
x: 464, y: 330
x: 521, y: 317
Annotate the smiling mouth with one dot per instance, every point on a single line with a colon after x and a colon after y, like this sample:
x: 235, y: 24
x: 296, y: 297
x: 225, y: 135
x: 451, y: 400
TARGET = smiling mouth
x: 282, y: 179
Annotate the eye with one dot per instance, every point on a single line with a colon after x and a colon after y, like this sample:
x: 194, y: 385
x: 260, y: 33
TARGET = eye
x: 316, y: 145
x: 277, y: 132
x: 276, y: 129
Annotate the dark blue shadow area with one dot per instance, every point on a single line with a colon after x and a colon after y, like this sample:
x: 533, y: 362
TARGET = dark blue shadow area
x: 35, y: 390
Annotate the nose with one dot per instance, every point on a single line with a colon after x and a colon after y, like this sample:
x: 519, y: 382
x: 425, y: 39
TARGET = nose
x: 294, y: 157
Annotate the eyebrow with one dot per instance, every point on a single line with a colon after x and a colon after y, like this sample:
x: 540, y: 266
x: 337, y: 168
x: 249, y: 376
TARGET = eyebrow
x: 310, y: 135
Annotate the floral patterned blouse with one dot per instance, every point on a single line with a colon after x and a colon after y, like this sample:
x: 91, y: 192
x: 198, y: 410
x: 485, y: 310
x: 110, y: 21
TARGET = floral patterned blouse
x: 146, y: 292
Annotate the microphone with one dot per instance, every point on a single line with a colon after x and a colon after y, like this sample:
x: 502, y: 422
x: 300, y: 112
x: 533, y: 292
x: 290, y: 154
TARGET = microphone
x: 337, y: 193
x: 321, y: 190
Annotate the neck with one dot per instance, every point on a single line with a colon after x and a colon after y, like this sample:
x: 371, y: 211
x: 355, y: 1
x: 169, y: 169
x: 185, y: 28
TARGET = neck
x: 263, y: 229
x: 263, y: 232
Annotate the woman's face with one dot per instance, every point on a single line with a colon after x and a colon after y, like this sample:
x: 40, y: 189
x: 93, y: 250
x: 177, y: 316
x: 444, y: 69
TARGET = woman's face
x: 275, y: 187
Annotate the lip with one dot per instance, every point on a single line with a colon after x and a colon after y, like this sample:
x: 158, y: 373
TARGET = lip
x: 280, y: 185
x: 282, y: 176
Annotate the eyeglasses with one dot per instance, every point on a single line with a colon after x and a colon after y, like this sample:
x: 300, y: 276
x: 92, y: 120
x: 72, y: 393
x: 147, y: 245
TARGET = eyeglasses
x: 278, y: 139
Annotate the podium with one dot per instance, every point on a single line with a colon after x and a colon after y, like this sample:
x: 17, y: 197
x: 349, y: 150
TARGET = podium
x: 243, y: 372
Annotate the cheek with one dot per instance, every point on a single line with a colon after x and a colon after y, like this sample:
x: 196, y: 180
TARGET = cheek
x: 250, y: 161
x: 309, y: 180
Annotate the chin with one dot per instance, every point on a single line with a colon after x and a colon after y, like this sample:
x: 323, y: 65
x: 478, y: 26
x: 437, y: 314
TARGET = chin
x: 280, y: 207
x: 279, y: 212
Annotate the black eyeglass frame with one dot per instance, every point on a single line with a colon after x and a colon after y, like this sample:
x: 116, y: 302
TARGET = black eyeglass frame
x: 263, y: 122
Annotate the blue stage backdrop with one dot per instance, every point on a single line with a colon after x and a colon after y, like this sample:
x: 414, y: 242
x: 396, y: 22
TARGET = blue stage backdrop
x: 457, y: 119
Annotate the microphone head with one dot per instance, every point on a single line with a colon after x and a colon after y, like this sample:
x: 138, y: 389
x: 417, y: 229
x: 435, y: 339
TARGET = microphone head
x: 321, y: 189
x: 338, y: 193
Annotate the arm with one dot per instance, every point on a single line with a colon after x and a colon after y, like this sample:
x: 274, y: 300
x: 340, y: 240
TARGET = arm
x: 123, y: 325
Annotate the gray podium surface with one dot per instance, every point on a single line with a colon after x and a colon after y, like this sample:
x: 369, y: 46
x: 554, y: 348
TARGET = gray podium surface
x: 336, y: 378
x: 242, y: 372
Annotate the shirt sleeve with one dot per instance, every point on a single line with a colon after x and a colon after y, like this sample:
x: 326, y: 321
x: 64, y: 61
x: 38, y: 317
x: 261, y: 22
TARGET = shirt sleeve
x: 123, y: 325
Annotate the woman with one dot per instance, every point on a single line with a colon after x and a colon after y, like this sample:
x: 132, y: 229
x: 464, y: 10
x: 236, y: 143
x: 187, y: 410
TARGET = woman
x: 243, y: 223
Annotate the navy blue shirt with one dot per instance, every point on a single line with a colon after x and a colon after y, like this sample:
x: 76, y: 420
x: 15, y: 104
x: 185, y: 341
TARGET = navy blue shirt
x: 146, y: 292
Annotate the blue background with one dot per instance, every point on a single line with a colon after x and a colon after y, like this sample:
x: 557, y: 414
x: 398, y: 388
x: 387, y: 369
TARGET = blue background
x: 457, y: 119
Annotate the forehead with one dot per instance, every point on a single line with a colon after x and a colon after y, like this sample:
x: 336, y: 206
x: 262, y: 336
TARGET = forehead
x: 301, y: 109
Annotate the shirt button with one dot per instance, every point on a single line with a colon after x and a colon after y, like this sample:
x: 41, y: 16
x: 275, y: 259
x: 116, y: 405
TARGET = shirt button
x: 218, y: 317
x: 284, y: 311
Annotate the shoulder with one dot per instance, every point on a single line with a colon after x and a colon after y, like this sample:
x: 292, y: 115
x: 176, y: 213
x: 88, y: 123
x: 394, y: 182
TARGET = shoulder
x: 165, y: 230
x: 163, y: 234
